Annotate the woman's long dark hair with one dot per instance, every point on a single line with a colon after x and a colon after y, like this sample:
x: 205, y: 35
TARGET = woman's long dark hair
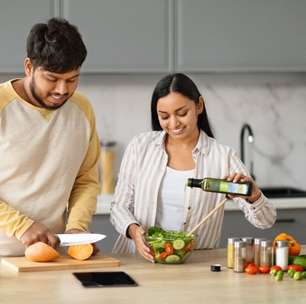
x: 182, y: 84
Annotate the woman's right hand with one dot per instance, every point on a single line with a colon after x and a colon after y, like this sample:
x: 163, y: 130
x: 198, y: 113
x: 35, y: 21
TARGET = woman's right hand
x: 137, y: 234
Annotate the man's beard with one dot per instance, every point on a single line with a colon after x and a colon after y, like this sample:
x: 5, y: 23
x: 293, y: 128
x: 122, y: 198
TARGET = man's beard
x: 40, y: 100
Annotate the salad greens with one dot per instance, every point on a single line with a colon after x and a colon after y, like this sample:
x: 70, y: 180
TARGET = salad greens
x: 169, y: 247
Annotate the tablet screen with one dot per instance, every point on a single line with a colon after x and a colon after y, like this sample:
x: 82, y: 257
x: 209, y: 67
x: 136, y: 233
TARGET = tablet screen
x: 104, y: 279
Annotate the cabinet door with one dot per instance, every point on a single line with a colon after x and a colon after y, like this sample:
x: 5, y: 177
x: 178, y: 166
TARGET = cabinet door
x: 123, y: 36
x: 240, y: 35
x: 16, y: 19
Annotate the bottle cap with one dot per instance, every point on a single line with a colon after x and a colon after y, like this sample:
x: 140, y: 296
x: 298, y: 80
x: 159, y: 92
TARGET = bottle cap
x: 215, y: 267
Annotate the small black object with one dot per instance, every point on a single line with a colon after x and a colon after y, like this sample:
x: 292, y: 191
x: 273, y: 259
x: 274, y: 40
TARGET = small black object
x: 215, y: 267
x: 105, y: 279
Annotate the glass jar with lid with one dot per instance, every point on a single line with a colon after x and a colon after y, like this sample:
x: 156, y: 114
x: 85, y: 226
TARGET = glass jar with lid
x: 239, y: 256
x: 266, y: 253
x: 230, y: 251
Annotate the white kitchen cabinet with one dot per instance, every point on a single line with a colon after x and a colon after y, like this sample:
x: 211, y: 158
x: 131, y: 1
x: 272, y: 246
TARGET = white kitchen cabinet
x: 124, y: 36
x: 240, y: 35
x: 16, y: 19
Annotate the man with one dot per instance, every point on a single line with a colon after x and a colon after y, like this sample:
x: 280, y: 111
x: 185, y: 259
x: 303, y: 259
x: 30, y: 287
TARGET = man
x: 49, y: 147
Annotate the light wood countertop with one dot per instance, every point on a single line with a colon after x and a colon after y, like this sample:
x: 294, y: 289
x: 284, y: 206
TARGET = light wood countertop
x: 188, y: 283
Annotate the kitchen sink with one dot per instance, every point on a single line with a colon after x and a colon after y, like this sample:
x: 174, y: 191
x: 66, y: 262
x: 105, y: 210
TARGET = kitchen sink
x: 281, y: 192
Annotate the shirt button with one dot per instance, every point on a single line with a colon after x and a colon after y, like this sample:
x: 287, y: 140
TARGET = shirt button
x: 189, y: 208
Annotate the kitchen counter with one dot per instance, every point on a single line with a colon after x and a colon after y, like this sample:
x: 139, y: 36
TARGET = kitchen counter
x: 188, y: 283
x: 104, y: 202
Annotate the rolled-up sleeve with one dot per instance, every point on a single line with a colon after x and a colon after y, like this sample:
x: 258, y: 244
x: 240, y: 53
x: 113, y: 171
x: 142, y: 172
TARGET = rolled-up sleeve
x: 260, y: 213
x: 122, y: 207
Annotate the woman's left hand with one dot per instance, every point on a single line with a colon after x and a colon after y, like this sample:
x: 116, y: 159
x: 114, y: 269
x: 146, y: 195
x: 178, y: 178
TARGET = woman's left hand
x: 238, y: 177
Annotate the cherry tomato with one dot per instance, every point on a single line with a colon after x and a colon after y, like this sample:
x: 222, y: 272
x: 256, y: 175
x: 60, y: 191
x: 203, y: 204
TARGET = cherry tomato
x: 168, y: 248
x: 163, y: 255
x: 251, y: 269
x: 296, y: 267
x: 276, y: 267
x: 264, y: 269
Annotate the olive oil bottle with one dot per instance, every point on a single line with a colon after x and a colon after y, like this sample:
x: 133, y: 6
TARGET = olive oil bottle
x: 220, y: 185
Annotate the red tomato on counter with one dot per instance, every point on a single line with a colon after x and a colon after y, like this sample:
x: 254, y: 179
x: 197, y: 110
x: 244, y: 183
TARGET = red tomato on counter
x: 296, y: 267
x: 264, y: 269
x: 251, y: 269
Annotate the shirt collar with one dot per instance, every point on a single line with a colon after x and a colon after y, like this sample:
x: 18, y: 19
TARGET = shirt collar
x: 201, y: 146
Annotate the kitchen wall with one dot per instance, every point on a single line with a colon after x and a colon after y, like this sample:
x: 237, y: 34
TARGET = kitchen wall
x: 273, y: 104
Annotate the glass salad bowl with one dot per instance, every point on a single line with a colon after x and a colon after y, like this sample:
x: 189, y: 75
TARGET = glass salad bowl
x: 169, y: 247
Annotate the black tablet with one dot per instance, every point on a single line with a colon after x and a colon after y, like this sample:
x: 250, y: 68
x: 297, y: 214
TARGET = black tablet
x: 105, y: 279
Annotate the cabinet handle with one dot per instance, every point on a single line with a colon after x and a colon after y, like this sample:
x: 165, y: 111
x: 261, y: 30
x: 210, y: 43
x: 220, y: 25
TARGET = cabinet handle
x: 285, y: 220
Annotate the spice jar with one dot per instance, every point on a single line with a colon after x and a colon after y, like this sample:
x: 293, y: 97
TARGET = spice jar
x: 282, y: 254
x: 239, y: 256
x: 249, y: 249
x: 257, y: 251
x: 230, y: 251
x: 266, y: 253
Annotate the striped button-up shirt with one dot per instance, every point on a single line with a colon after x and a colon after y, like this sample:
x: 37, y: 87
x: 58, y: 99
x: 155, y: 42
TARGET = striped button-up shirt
x: 142, y: 169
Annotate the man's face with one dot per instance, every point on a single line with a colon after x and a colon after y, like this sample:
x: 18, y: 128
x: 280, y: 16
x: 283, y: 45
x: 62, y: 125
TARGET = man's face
x: 51, y: 90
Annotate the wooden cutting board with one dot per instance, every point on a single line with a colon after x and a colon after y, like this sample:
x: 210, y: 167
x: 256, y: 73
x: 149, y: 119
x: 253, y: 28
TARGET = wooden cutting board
x: 21, y: 264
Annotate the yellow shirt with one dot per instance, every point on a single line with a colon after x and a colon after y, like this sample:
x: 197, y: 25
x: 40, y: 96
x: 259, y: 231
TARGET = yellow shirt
x: 48, y: 167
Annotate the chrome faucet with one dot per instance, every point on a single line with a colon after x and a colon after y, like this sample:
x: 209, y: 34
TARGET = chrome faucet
x: 247, y: 127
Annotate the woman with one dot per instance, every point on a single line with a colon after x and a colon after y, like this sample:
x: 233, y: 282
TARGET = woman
x: 156, y: 165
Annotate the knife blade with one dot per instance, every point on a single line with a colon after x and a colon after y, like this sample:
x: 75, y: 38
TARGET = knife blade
x: 70, y: 239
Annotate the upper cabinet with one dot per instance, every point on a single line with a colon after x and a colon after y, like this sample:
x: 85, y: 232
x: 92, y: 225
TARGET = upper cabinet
x: 160, y: 36
x: 16, y: 19
x: 124, y: 36
x: 240, y: 35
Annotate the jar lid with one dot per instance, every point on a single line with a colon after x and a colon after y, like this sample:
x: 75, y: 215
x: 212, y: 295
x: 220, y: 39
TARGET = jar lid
x: 258, y: 240
x: 282, y: 243
x: 238, y: 244
x: 215, y: 267
x: 248, y: 240
x: 266, y: 243
x: 232, y: 240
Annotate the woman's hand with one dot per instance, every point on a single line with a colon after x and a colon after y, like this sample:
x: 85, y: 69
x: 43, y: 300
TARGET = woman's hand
x: 137, y: 234
x: 237, y: 177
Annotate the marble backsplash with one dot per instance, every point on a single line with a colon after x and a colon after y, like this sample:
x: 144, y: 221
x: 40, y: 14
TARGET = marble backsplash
x: 273, y: 104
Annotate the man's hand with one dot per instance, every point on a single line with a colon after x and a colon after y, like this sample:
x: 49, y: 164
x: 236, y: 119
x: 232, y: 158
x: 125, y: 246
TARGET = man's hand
x: 38, y: 232
x: 137, y: 234
x: 95, y: 248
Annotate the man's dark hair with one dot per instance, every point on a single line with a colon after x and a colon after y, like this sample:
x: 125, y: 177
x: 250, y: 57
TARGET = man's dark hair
x: 57, y: 46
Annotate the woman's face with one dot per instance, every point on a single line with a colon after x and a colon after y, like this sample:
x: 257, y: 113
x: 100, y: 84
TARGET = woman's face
x: 178, y: 115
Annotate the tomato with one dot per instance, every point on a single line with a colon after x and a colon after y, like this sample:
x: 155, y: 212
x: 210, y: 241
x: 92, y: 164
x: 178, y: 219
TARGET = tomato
x: 296, y: 267
x: 163, y: 255
x: 168, y: 248
x: 264, y: 269
x: 251, y: 269
x: 276, y: 267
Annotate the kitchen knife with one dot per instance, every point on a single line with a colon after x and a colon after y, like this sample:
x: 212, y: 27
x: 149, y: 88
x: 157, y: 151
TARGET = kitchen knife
x: 70, y: 239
